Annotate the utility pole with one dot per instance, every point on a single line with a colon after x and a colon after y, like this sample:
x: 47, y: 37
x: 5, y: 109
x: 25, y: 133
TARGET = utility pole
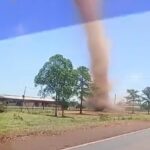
x: 115, y: 99
x: 23, y: 98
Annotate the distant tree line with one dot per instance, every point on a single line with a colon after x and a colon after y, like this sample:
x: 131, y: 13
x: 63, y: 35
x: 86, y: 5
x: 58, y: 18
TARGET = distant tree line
x: 141, y: 98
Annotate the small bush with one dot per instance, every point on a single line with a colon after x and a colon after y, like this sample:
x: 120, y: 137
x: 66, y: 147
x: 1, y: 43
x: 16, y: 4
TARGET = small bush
x: 17, y: 117
x: 104, y: 117
x: 2, y: 108
x: 130, y: 118
x: 123, y: 118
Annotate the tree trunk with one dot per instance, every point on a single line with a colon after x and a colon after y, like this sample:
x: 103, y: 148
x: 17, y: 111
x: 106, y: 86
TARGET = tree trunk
x: 56, y: 106
x: 81, y: 104
x: 140, y: 106
x: 56, y: 109
x: 62, y: 108
x: 133, y: 107
x: 148, y: 108
x: 43, y: 104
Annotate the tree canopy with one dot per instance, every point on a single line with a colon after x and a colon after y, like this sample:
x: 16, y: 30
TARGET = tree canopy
x: 132, y: 97
x: 146, y: 97
x: 57, y: 77
x: 83, y: 84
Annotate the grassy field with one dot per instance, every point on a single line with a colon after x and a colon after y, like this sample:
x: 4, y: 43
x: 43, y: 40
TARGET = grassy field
x: 17, y: 123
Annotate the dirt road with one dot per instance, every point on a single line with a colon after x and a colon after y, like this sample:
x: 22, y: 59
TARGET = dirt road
x: 73, y: 138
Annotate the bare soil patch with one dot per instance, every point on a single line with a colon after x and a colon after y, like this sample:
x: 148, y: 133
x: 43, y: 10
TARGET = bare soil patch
x: 74, y: 137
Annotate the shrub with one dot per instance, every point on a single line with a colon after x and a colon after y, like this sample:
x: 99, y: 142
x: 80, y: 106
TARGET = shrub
x: 104, y: 117
x: 17, y: 117
x: 2, y: 108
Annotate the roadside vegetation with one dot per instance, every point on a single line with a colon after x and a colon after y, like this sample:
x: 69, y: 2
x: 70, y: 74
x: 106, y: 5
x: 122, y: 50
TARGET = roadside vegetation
x: 17, y: 123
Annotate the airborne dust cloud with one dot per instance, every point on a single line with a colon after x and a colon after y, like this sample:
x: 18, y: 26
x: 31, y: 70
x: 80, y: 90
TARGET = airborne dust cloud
x: 99, y: 51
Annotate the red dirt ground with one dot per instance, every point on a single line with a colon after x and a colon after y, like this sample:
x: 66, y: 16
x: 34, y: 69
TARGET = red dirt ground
x: 73, y: 138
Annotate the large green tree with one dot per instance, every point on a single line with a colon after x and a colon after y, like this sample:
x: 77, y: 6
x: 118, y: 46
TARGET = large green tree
x: 146, y: 98
x: 132, y: 97
x: 83, y: 84
x: 57, y: 78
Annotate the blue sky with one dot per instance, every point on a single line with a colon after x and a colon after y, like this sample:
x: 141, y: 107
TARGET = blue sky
x: 40, y: 15
x: 22, y: 57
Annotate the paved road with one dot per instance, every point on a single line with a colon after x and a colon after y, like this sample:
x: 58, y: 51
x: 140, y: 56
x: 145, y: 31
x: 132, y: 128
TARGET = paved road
x: 134, y: 141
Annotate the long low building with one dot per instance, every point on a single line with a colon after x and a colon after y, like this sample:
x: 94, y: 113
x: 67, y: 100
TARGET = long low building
x: 14, y: 100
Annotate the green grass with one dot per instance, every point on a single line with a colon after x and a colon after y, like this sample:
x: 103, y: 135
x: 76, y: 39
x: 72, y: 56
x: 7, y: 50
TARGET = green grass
x: 17, y: 123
